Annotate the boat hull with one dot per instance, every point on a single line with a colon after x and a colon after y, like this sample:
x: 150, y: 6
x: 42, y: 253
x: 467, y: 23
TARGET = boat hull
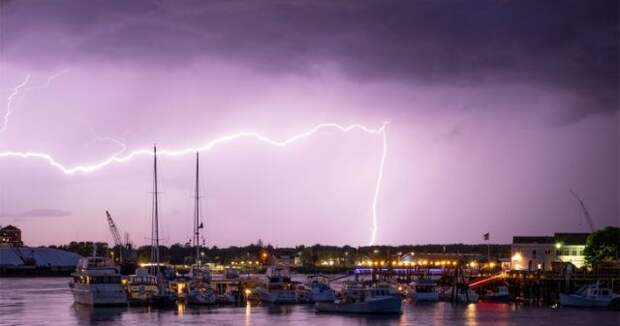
x: 99, y: 295
x: 277, y: 297
x: 572, y: 300
x: 384, y: 305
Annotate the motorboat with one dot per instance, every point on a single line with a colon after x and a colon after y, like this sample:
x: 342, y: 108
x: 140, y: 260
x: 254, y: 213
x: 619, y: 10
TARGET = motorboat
x: 591, y: 295
x: 277, y: 287
x: 364, y: 300
x: 425, y: 290
x: 97, y: 282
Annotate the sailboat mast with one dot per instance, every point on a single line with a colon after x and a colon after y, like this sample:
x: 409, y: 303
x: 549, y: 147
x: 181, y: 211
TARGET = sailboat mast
x: 197, y: 212
x: 155, y: 218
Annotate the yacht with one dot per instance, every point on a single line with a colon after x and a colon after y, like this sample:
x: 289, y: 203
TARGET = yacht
x: 357, y: 298
x: 97, y: 281
x: 277, y: 287
x: 425, y: 290
x: 591, y: 295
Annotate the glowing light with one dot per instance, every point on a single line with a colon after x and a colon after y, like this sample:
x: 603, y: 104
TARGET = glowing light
x: 558, y: 245
x: 517, y: 257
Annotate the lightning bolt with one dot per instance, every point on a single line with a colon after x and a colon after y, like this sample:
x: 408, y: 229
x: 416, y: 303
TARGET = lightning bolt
x: 16, y: 91
x: 118, y: 158
x: 9, y: 103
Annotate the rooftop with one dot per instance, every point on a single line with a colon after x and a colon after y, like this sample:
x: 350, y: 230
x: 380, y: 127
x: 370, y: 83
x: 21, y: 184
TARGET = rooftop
x: 572, y: 238
x: 535, y: 239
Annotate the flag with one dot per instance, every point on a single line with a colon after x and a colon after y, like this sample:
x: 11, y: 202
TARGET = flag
x: 486, y: 236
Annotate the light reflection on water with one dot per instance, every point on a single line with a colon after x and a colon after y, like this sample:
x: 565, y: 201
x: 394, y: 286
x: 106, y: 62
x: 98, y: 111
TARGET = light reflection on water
x: 43, y: 301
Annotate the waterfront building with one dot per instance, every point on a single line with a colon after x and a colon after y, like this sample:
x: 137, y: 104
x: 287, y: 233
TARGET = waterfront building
x: 10, y: 236
x: 570, y: 247
x: 532, y: 253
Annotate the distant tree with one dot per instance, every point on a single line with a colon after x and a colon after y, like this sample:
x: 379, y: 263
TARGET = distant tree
x: 602, y: 245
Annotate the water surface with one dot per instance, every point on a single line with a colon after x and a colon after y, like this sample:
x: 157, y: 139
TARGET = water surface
x: 48, y: 301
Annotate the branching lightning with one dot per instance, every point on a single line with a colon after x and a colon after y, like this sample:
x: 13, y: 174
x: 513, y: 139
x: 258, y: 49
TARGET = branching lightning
x: 10, y: 102
x: 118, y: 158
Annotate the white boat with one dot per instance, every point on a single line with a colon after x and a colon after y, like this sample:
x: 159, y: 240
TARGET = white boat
x: 425, y: 290
x: 591, y: 295
x: 364, y: 300
x: 277, y: 287
x: 97, y: 282
x: 142, y: 288
x: 200, y: 290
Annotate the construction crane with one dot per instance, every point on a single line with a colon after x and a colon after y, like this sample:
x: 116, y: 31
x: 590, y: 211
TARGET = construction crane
x: 117, y: 238
x: 585, y: 212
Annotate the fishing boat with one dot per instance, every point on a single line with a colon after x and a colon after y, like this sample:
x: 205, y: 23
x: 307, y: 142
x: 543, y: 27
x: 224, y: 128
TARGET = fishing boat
x: 499, y: 294
x: 277, y: 287
x: 425, y: 290
x: 364, y: 300
x: 317, y: 289
x: 97, y: 282
x: 142, y: 288
x: 591, y: 295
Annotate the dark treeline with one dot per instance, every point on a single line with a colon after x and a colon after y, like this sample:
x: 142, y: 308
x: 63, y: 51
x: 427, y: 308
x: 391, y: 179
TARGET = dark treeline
x: 308, y: 255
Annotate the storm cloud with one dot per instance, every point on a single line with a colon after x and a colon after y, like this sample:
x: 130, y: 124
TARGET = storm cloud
x: 565, y: 46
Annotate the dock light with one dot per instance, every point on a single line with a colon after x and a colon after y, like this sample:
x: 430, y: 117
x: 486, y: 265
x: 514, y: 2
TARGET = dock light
x: 558, y: 245
x: 247, y: 292
x: 124, y: 281
x: 472, y: 264
x: 492, y: 265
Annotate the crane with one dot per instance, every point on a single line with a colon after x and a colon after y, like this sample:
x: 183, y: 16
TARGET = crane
x: 586, y: 214
x: 117, y: 237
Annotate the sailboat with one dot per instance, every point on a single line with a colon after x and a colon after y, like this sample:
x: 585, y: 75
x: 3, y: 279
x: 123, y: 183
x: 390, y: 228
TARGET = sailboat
x: 199, y: 290
x: 152, y: 287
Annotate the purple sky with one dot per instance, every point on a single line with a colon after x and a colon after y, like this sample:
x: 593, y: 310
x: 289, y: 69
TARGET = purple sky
x: 497, y: 109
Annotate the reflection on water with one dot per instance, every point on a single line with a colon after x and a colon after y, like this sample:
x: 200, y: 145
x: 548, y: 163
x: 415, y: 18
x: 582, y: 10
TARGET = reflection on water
x: 48, y: 301
x: 88, y: 314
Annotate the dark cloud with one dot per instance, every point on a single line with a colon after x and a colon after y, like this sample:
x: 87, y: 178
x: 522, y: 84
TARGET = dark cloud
x: 569, y: 46
x: 39, y: 213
